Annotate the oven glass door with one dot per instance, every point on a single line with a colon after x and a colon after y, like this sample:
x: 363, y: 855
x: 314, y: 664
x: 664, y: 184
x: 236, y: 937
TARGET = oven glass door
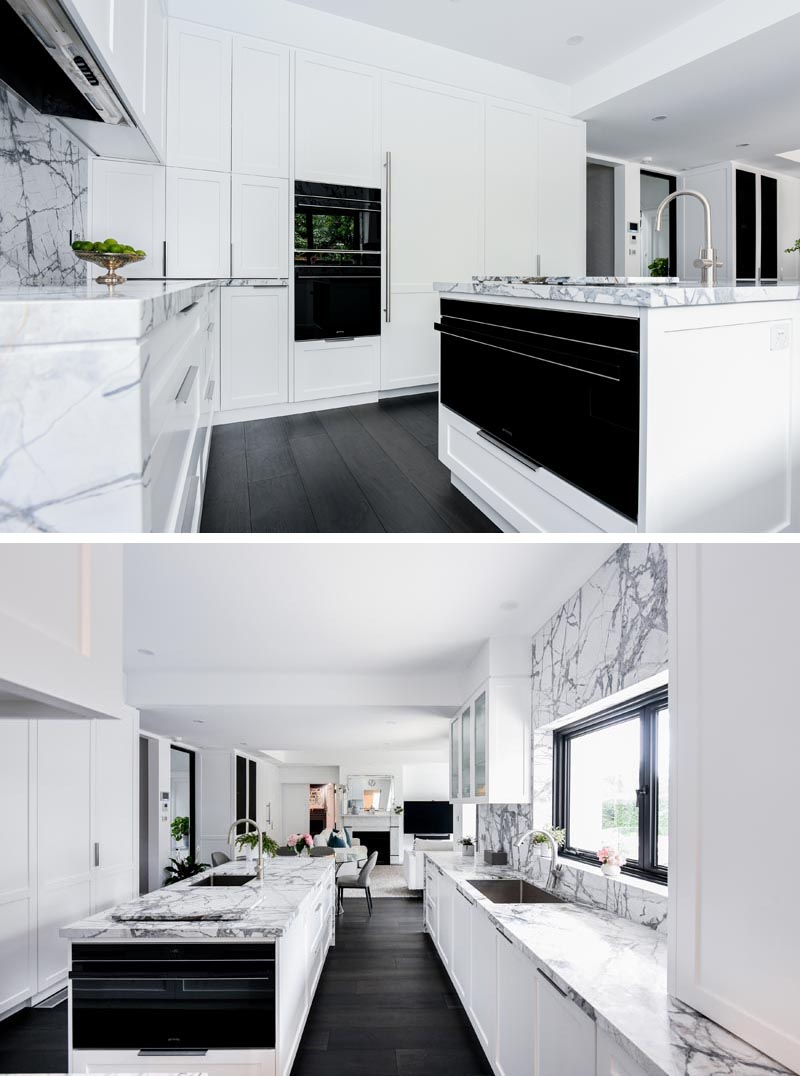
x: 318, y: 229
x: 173, y: 1014
x: 565, y: 405
x: 337, y: 303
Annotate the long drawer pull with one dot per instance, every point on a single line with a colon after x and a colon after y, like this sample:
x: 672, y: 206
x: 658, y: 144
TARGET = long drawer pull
x: 469, y: 900
x: 546, y: 336
x: 526, y: 355
x: 210, y: 389
x: 498, y: 443
x: 210, y: 328
x: 505, y: 936
x: 172, y: 1053
x: 190, y: 306
x: 547, y: 979
x: 185, y: 391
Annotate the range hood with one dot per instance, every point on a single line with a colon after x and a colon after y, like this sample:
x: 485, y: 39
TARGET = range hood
x: 46, y: 62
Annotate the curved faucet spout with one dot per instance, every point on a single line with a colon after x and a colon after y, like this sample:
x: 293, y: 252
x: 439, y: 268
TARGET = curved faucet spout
x: 257, y: 828
x: 707, y: 262
x: 555, y: 869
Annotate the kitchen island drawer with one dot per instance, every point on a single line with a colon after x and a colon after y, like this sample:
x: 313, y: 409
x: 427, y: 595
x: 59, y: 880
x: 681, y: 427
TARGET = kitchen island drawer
x: 211, y: 1062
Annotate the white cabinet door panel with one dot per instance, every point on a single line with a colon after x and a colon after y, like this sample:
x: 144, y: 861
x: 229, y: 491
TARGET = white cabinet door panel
x: 255, y: 347
x: 127, y: 202
x: 336, y: 122
x: 512, y: 194
x: 562, y: 196
x: 462, y: 946
x: 128, y: 33
x: 58, y: 905
x: 483, y: 998
x: 325, y: 368
x: 17, y: 978
x: 64, y: 785
x: 155, y: 75
x: 198, y: 223
x: 612, y: 1059
x: 199, y: 97
x: 565, y: 1040
x: 447, y: 888
x: 215, y: 1062
x: 260, y: 227
x: 410, y: 345
x: 260, y: 107
x: 515, y: 1044
x: 113, y: 766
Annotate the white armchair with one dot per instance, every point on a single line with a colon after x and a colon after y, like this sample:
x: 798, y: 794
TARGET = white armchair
x: 356, y: 853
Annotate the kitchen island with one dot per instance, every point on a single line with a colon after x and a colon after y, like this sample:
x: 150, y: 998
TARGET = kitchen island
x: 215, y: 973
x: 582, y: 406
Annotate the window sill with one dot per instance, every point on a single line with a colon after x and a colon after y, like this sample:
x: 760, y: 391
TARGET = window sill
x: 643, y: 884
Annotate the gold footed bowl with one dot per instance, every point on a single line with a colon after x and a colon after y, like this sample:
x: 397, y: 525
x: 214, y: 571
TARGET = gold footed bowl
x: 109, y: 262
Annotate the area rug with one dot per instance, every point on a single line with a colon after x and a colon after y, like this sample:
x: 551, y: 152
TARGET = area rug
x: 386, y: 881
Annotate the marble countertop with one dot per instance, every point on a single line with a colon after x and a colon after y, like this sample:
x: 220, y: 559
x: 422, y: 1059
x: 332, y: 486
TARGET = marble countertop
x: 616, y: 971
x: 685, y: 293
x: 255, y: 910
x: 85, y: 313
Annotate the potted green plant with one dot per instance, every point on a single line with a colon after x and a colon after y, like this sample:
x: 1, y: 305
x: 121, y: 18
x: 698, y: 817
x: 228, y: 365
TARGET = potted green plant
x: 793, y: 249
x: 249, y: 842
x: 179, y: 828
x: 559, y: 836
x: 659, y: 267
x: 183, y: 868
x: 467, y: 846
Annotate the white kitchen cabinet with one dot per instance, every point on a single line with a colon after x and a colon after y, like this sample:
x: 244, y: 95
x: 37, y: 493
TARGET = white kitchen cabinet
x: 199, y: 97
x: 17, y: 887
x: 565, y: 1039
x: 254, y: 357
x: 562, y: 196
x: 612, y: 1060
x: 260, y: 124
x: 445, y: 908
x: 127, y: 202
x: 431, y: 898
x: 515, y: 1042
x: 512, y: 189
x: 326, y: 368
x: 215, y: 1062
x: 336, y: 121
x: 723, y: 674
x: 489, y: 743
x: 482, y: 1005
x: 198, y: 223
x: 434, y: 217
x: 461, y: 962
x: 154, y: 108
x: 63, y: 839
x: 127, y: 40
x: 259, y: 227
x: 114, y: 830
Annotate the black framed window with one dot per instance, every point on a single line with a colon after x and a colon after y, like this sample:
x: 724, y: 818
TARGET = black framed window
x: 611, y: 785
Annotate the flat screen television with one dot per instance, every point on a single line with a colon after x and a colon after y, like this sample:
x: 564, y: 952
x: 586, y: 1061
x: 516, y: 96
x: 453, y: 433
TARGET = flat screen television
x: 427, y: 816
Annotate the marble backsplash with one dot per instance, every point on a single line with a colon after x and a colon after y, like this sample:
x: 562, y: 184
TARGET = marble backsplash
x: 43, y: 192
x: 610, y: 635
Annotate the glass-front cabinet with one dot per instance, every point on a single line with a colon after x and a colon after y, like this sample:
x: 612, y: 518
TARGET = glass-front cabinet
x: 490, y: 744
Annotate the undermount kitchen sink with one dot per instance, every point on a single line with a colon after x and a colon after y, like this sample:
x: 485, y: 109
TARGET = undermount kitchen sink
x: 513, y: 891
x: 226, y: 879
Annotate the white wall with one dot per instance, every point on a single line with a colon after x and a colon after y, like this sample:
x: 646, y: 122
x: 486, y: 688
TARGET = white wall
x: 295, y: 25
x: 426, y: 781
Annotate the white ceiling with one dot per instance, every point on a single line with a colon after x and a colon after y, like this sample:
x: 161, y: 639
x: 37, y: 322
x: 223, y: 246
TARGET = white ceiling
x: 529, y: 35
x: 380, y: 620
x: 748, y: 91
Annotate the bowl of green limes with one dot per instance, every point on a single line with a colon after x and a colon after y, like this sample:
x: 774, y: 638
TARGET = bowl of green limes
x: 109, y: 255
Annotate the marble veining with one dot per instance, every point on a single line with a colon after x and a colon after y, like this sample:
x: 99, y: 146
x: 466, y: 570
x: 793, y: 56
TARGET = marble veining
x: 273, y: 905
x: 611, y: 634
x: 43, y: 195
x: 616, y: 971
x: 652, y: 295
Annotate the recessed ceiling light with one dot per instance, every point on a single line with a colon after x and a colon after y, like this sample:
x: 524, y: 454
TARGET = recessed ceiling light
x: 242, y: 743
x: 509, y: 607
x: 197, y: 721
x: 646, y: 160
x: 742, y: 145
x: 658, y: 119
x: 391, y: 722
x: 147, y: 653
x: 179, y: 738
x: 576, y: 39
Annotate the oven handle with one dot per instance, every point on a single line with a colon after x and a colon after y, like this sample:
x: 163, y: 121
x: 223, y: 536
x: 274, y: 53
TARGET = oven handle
x: 337, y: 276
x: 335, y: 208
x: 388, y: 236
x: 526, y: 355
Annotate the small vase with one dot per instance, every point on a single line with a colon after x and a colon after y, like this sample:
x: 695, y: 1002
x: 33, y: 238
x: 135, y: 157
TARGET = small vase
x: 468, y: 850
x: 609, y: 871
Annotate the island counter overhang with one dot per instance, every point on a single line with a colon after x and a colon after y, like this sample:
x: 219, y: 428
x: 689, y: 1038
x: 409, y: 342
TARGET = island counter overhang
x: 292, y: 915
x: 719, y: 425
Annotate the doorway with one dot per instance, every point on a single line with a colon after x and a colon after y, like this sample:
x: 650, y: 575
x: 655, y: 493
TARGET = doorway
x: 295, y: 811
x: 659, y: 250
x: 600, y: 219
x: 144, y: 815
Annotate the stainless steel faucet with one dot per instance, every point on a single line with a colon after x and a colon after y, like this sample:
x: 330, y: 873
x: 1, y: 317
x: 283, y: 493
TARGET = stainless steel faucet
x: 707, y: 262
x: 555, y: 868
x: 256, y: 827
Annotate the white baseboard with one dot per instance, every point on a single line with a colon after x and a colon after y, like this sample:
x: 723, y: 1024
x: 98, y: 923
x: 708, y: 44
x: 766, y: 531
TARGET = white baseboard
x: 303, y: 407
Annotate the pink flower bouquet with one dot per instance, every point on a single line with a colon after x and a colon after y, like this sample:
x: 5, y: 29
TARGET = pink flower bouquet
x: 610, y: 857
x: 300, y: 842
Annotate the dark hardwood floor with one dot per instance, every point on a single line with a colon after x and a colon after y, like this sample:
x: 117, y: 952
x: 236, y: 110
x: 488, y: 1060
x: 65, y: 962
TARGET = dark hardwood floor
x: 384, y: 1005
x: 34, y: 1040
x: 369, y: 468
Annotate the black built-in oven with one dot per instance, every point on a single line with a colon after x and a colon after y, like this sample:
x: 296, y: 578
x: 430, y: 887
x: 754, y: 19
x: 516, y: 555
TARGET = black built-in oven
x: 337, y: 236
x: 160, y: 997
x: 557, y: 389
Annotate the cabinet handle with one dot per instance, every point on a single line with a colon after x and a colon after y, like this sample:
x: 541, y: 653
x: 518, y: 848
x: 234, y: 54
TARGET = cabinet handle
x: 190, y: 306
x: 338, y: 339
x: 186, y: 385
x: 538, y: 265
x: 172, y: 1053
x: 388, y: 236
x: 505, y: 937
x: 210, y: 328
x: 165, y: 259
x: 547, y: 979
x: 469, y: 900
x: 97, y: 854
x: 210, y: 389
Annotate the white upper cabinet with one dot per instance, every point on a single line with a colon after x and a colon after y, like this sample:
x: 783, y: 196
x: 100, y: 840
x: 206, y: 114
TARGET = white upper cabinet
x: 260, y: 227
x: 255, y: 347
x: 562, y: 196
x: 199, y: 97
x: 198, y: 223
x: 489, y: 744
x: 512, y: 189
x: 260, y: 127
x: 336, y: 122
x: 126, y: 202
x: 127, y: 49
x: 565, y: 1039
x: 154, y: 111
